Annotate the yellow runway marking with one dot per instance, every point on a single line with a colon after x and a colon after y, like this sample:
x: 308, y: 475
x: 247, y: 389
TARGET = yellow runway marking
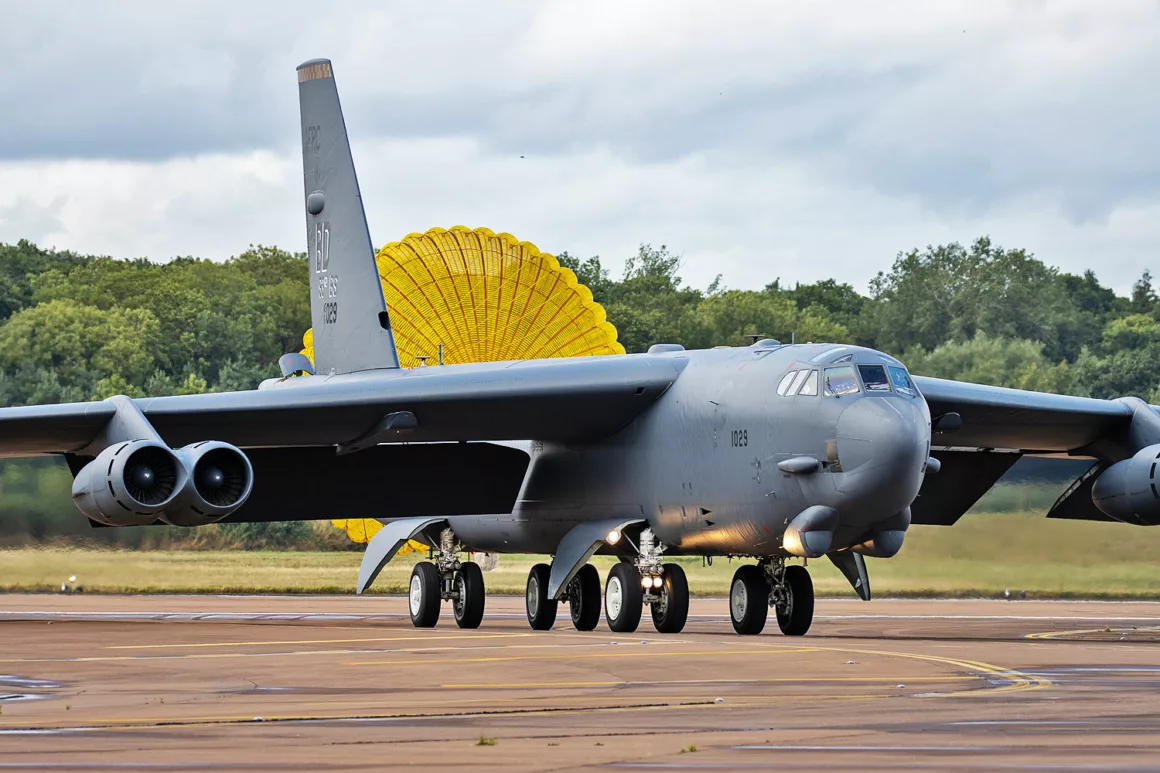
x: 313, y: 641
x: 649, y: 654
x: 1018, y: 679
x: 774, y: 679
x: 1061, y: 634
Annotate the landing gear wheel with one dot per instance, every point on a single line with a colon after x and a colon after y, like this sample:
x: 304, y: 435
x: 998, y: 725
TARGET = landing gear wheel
x: 541, y: 609
x: 672, y: 611
x: 795, y: 616
x: 623, y: 598
x: 423, y: 597
x: 748, y: 600
x: 470, y: 596
x: 584, y: 598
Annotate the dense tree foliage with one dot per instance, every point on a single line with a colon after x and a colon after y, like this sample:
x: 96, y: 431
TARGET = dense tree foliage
x: 76, y: 327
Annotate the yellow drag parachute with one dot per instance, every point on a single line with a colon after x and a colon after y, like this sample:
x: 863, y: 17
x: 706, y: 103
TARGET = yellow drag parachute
x: 485, y: 297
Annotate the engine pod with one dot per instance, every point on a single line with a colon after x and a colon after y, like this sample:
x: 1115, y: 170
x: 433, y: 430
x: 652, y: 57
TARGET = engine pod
x: 220, y: 479
x: 129, y: 483
x: 1129, y: 490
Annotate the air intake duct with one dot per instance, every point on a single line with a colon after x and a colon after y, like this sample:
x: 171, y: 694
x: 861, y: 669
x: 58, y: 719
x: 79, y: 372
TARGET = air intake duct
x: 219, y: 482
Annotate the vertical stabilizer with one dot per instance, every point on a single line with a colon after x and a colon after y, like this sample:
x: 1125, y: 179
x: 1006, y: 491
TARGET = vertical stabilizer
x: 352, y: 330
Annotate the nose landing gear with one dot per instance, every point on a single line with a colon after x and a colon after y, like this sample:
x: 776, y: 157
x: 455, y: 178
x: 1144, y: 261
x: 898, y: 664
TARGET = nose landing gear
x: 788, y: 589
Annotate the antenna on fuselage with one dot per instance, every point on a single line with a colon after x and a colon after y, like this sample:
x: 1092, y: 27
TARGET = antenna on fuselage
x: 754, y: 337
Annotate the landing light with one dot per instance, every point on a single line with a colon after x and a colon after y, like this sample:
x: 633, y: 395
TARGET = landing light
x: 645, y: 582
x: 613, y: 537
x: 657, y: 582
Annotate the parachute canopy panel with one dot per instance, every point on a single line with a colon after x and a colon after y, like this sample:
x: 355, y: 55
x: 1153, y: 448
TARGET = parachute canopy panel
x: 485, y: 297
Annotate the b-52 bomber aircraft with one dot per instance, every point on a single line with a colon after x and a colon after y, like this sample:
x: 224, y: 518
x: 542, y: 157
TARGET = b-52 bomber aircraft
x: 770, y: 452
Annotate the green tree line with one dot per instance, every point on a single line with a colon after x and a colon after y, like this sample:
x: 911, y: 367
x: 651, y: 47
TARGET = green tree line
x: 77, y: 327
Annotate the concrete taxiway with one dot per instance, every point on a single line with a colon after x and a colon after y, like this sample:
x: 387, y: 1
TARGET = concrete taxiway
x: 342, y: 683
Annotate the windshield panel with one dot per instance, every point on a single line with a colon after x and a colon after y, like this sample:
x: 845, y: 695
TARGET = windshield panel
x: 874, y: 377
x: 810, y: 387
x: 901, y: 380
x: 841, y: 381
x: 783, y: 387
x: 797, y: 382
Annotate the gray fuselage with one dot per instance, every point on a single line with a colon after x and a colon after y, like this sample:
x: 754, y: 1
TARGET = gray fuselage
x: 701, y: 465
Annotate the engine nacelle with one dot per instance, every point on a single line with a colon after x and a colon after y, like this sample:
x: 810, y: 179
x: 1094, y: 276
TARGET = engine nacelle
x: 1129, y: 491
x: 219, y: 481
x: 129, y: 483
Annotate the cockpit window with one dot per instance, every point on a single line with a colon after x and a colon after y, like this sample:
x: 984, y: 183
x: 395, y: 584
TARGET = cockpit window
x: 874, y: 377
x: 841, y: 381
x: 783, y: 386
x: 810, y: 385
x: 901, y: 380
x: 797, y: 382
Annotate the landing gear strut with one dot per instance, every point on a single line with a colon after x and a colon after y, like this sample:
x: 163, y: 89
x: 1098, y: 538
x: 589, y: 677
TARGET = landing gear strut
x: 788, y: 589
x: 447, y: 579
x: 647, y: 581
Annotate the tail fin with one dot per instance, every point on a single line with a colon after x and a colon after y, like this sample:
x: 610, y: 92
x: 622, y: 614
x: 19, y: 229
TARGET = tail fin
x: 352, y: 329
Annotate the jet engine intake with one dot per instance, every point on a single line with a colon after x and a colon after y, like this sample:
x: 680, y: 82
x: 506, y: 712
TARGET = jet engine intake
x: 129, y: 483
x: 219, y: 482
x: 1129, y: 490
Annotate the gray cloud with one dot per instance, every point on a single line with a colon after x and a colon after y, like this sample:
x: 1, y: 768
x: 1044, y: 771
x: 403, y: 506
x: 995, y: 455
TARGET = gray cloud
x: 734, y: 132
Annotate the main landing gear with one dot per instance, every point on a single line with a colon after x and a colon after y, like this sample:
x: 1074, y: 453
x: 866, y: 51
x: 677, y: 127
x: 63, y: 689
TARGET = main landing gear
x: 631, y: 584
x: 446, y: 579
x: 788, y: 589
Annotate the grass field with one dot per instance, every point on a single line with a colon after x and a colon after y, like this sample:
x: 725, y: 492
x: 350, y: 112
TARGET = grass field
x: 982, y: 556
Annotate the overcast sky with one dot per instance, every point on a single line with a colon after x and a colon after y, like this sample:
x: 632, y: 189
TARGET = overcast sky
x: 757, y: 140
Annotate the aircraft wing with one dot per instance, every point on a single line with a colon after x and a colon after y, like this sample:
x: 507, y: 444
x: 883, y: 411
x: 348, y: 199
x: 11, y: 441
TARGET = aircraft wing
x: 998, y: 426
x: 1032, y: 422
x: 568, y: 400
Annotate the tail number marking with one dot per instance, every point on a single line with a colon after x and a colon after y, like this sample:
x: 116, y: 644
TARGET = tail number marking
x: 329, y: 313
x: 322, y: 247
x: 740, y: 438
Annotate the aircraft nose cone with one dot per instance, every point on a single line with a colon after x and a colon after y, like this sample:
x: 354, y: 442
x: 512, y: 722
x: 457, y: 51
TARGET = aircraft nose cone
x: 213, y: 478
x: 882, y: 446
x: 143, y: 477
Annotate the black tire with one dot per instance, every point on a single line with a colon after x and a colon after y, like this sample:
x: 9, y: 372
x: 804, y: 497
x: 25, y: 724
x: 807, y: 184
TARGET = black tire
x: 541, y: 609
x: 623, y: 598
x: 469, y: 606
x: 796, y: 620
x: 671, y: 615
x: 585, y: 602
x: 749, y: 600
x: 423, y: 596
